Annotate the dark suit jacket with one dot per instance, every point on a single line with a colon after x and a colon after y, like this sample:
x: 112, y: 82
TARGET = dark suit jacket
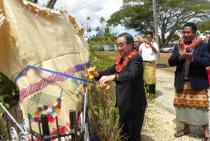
x: 197, y: 71
x: 130, y: 96
x: 209, y: 45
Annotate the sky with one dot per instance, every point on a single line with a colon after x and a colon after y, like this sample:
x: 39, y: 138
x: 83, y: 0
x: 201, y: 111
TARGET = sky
x: 81, y: 9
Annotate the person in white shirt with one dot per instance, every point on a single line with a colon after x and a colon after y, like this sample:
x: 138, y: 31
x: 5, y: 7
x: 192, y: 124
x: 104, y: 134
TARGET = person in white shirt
x: 149, y: 51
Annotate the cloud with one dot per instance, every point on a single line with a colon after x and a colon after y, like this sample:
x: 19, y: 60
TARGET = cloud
x: 95, y: 9
x: 120, y: 29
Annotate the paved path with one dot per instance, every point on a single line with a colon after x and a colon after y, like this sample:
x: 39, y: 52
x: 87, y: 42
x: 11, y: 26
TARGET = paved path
x: 165, y: 89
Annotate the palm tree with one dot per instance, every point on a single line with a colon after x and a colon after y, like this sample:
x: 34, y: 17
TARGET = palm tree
x: 108, y: 37
x: 102, y: 20
x: 89, y: 30
x: 88, y: 18
x: 97, y: 30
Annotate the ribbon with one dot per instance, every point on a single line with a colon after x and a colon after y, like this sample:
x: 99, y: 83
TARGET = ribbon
x: 53, y: 72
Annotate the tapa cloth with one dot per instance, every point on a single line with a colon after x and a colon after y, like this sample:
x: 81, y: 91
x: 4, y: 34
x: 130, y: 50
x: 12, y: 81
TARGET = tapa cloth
x: 191, y: 106
x: 191, y: 98
x: 48, y: 39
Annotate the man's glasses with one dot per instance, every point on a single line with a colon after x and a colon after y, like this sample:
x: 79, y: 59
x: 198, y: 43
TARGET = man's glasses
x: 120, y: 44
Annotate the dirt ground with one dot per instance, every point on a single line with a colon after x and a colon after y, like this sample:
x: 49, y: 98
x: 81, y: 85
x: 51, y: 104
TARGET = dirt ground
x: 160, y: 125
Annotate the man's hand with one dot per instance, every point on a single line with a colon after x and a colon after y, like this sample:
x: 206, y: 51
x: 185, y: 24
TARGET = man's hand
x: 151, y: 45
x: 181, y: 47
x: 107, y: 78
x: 148, y: 42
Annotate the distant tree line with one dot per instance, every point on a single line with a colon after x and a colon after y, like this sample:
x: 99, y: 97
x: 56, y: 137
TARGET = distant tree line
x: 171, y: 15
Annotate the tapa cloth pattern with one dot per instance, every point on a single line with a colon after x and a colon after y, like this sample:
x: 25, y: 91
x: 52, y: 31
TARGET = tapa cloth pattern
x: 191, y: 98
x: 48, y: 39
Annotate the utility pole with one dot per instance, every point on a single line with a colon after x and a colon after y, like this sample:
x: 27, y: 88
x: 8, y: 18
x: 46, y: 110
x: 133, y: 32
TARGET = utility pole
x: 156, y: 25
x: 155, y: 21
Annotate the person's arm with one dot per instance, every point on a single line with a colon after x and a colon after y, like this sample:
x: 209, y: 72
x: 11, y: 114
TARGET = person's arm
x: 154, y: 47
x: 175, y: 57
x: 109, y: 71
x: 135, y: 68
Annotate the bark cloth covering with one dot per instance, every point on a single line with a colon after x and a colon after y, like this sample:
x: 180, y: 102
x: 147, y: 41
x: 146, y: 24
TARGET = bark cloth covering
x: 47, y: 39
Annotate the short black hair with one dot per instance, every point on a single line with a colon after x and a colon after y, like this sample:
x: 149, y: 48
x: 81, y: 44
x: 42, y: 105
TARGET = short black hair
x: 148, y: 32
x: 192, y: 25
x: 128, y: 37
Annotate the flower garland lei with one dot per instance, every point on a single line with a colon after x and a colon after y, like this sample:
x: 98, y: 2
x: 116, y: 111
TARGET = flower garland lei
x: 118, y: 66
x: 195, y: 43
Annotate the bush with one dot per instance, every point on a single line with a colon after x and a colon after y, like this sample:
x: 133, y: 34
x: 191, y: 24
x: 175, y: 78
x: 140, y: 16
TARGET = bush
x: 103, y: 115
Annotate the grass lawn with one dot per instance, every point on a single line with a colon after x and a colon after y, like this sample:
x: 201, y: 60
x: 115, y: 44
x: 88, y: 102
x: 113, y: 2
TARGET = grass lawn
x: 108, y: 56
x: 164, y: 58
x: 114, y: 54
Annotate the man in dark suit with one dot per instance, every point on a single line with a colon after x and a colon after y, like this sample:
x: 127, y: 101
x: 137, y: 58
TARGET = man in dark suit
x: 191, y: 81
x: 127, y: 72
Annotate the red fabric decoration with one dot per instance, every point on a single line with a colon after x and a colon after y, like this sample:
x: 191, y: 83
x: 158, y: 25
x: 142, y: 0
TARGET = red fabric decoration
x: 118, y: 66
x: 77, y: 118
x: 62, y: 129
x: 50, y: 118
x: 58, y: 105
x: 208, y: 72
x: 194, y: 43
x: 38, y: 115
